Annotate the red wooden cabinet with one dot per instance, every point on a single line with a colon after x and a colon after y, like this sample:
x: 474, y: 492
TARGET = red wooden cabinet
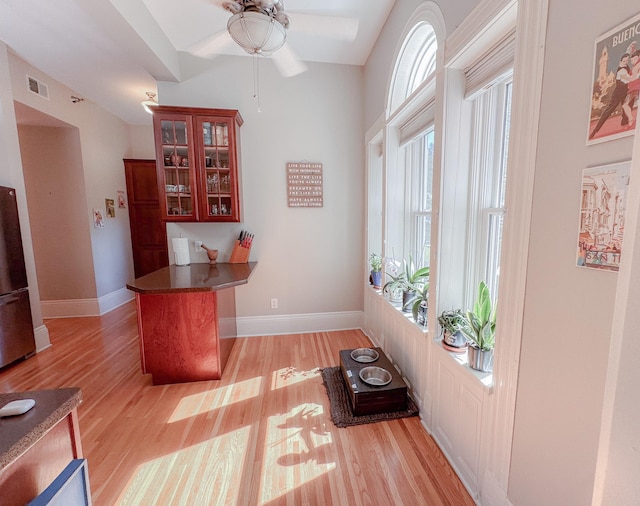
x: 198, y: 163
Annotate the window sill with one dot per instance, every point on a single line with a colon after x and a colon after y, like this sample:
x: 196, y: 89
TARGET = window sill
x: 398, y: 307
x: 486, y: 378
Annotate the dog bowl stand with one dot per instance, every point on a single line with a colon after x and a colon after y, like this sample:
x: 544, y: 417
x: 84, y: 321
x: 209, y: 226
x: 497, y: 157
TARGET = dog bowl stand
x: 368, y: 399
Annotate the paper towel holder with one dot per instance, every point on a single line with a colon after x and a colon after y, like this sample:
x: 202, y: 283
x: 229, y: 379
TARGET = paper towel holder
x: 181, y: 251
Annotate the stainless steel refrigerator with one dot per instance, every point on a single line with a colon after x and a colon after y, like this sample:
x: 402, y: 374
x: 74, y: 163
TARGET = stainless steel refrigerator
x: 16, y: 325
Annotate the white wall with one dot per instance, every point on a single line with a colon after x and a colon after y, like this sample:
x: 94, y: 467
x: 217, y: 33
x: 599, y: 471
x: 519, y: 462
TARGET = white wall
x: 310, y: 259
x: 142, y: 142
x: 568, y: 310
x: 54, y: 182
x: 104, y: 142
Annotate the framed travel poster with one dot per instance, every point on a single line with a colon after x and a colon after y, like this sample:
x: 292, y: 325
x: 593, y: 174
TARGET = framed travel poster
x: 614, y: 93
x: 602, y: 210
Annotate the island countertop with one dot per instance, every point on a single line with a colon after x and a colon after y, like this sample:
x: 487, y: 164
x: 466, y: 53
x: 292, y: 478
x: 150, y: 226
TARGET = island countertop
x: 193, y: 278
x: 21, y: 432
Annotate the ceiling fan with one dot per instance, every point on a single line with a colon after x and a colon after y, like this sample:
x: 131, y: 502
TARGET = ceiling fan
x: 260, y: 28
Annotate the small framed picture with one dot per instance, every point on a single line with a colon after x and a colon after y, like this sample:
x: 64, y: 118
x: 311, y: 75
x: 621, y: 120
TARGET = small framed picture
x: 98, y: 218
x: 121, y: 199
x: 111, y: 208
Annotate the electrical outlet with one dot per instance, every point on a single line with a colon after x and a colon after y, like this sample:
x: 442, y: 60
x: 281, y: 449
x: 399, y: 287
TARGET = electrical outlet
x: 274, y: 303
x: 197, y: 246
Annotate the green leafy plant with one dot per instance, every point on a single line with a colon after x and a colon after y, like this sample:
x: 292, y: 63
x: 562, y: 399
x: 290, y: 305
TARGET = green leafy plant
x: 375, y: 261
x: 418, y: 285
x: 451, y: 320
x: 480, y: 324
x: 397, y: 283
x: 420, y: 295
x: 409, y: 278
x: 415, y: 277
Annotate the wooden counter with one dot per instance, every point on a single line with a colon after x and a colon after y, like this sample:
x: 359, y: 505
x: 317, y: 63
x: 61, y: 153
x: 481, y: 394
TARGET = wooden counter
x: 36, y: 446
x: 187, y: 320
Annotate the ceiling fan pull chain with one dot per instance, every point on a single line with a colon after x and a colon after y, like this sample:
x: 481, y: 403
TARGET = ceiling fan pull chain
x: 256, y: 80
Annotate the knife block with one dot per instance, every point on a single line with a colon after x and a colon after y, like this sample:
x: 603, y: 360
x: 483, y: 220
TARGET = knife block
x: 240, y: 254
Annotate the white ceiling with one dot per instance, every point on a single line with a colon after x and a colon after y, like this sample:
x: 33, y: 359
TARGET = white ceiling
x: 112, y: 51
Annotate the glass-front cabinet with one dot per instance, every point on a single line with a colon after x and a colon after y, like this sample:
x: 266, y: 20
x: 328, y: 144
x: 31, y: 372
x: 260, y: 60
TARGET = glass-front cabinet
x: 198, y: 163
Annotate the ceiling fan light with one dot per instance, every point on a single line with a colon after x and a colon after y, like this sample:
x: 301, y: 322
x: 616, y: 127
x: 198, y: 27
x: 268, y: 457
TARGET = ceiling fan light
x: 256, y: 33
x: 149, y: 102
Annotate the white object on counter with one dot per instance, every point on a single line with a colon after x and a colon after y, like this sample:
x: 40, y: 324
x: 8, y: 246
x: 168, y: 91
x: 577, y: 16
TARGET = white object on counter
x: 181, y: 250
x: 18, y: 407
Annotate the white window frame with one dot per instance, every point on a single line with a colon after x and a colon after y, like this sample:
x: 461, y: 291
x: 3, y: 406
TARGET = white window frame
x: 489, y: 146
x: 419, y: 166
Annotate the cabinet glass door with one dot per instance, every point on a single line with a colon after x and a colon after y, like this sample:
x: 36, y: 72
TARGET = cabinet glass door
x: 218, y: 172
x: 177, y: 168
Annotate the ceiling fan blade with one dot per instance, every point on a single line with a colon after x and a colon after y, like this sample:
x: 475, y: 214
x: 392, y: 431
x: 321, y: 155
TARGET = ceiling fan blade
x: 332, y: 27
x: 288, y: 62
x: 212, y: 45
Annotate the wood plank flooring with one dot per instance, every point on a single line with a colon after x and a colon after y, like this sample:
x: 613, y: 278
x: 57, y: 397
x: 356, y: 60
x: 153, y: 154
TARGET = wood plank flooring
x: 262, y: 435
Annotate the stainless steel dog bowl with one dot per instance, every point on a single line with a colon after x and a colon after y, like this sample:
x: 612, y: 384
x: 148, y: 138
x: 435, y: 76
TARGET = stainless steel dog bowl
x: 375, y: 376
x: 364, y: 355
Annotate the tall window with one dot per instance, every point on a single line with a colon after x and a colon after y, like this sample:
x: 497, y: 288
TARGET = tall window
x: 374, y: 200
x: 420, y: 163
x: 409, y: 147
x: 491, y: 120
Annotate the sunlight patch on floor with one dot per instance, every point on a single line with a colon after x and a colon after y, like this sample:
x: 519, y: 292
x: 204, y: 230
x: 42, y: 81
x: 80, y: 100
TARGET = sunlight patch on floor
x: 205, y: 473
x: 288, y: 376
x: 193, y: 405
x: 294, y: 452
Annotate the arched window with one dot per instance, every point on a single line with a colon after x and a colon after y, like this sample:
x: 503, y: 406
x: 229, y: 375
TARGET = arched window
x: 415, y: 63
x: 409, y: 142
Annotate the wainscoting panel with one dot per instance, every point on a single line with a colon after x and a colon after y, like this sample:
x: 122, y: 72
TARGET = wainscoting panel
x: 451, y: 397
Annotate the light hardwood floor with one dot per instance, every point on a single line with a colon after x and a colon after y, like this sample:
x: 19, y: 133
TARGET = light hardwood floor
x: 262, y: 435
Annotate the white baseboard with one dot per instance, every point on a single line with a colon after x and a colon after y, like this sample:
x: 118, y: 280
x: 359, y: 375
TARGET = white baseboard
x: 492, y: 493
x: 114, y: 299
x: 85, y: 307
x: 41, y: 335
x: 298, y: 324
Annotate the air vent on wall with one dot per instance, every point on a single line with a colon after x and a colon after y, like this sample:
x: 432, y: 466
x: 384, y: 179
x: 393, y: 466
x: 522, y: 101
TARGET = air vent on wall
x: 37, y: 87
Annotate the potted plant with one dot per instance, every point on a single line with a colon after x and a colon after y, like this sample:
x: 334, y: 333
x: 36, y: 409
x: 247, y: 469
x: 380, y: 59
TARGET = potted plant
x: 396, y: 286
x: 419, y: 302
x: 479, y: 328
x: 451, y: 322
x: 375, y: 262
x: 397, y: 283
x: 415, y: 279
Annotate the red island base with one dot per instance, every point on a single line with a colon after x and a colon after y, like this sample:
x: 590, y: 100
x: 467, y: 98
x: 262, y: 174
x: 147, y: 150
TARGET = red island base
x: 186, y: 336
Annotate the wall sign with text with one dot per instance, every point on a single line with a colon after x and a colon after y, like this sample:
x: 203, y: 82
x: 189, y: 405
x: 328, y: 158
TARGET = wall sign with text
x: 304, y: 184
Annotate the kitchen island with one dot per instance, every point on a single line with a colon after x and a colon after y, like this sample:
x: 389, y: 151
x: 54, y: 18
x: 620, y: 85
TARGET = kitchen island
x: 36, y: 446
x: 187, y: 320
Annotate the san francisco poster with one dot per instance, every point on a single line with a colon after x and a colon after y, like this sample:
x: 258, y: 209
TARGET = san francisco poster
x: 602, y: 211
